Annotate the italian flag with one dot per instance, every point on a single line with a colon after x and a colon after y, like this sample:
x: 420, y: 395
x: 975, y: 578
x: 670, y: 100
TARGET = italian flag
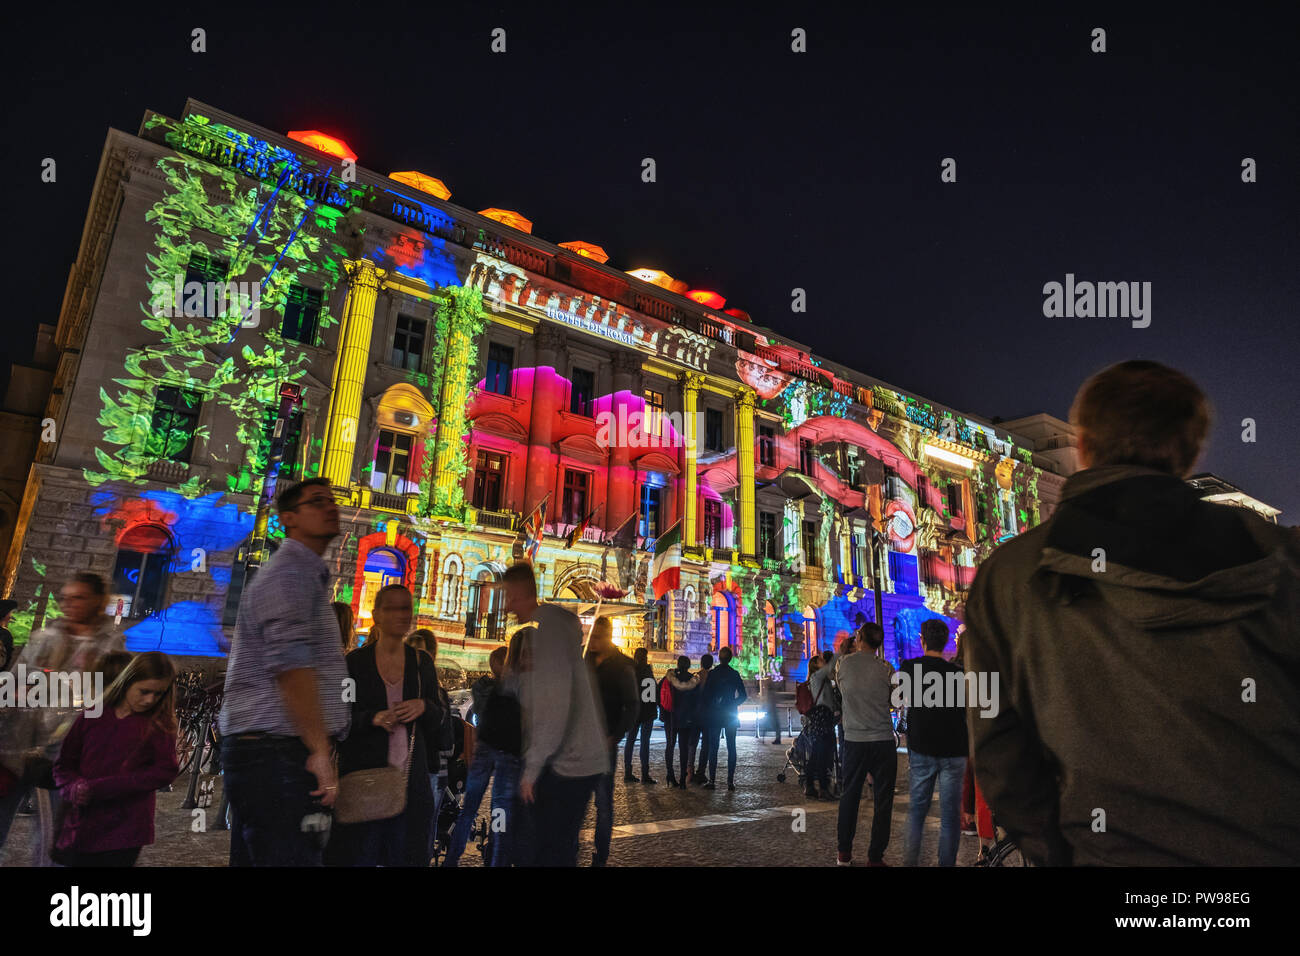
x: 666, y: 574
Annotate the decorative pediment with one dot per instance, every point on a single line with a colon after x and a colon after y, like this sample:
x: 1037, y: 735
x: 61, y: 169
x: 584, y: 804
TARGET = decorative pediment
x: 499, y: 424
x: 582, y: 447
x: 656, y: 461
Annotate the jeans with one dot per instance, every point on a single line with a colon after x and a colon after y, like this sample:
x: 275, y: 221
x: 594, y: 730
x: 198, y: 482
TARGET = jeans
x: 684, y: 738
x: 503, y: 770
x: 821, y: 757
x: 712, y: 733
x: 270, y: 794
x: 555, y: 818
x: 646, y: 728
x: 880, y: 759
x: 923, y: 771
x: 605, y: 810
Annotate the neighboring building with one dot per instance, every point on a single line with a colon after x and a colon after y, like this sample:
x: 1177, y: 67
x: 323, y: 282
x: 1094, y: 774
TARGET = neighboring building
x: 1214, y: 488
x: 1056, y: 452
x: 456, y: 372
x: 21, y: 431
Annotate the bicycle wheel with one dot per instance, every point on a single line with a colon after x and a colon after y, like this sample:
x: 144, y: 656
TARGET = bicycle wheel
x: 187, y: 744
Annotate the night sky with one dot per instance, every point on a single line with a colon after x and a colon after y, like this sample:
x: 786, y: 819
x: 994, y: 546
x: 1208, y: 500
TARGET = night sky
x: 779, y: 170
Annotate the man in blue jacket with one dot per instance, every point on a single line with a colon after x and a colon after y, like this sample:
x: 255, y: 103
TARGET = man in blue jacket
x: 723, y: 693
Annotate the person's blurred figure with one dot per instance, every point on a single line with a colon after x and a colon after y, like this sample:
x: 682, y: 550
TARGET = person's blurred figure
x: 565, y: 745
x: 1147, y: 651
x: 110, y: 767
x: 616, y: 681
x: 647, y: 691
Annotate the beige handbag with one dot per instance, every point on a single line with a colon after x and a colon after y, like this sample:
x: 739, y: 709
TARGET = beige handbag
x: 377, y: 794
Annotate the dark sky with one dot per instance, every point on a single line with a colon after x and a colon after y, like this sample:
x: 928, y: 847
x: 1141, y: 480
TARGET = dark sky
x: 779, y: 170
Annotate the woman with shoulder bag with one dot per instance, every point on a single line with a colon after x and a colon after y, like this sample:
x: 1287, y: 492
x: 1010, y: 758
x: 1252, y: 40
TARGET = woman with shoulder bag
x: 385, y: 807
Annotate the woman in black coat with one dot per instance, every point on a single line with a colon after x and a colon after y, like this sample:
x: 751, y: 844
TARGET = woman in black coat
x: 396, y: 710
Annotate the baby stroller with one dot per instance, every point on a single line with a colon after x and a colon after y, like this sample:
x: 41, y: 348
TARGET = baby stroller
x: 797, y: 757
x: 452, y: 798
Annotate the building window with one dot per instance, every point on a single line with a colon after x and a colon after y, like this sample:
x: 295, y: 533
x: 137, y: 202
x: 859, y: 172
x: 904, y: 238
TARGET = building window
x: 301, y: 314
x: 651, y: 504
x: 766, y: 445
x: 713, y: 429
x: 981, y: 513
x: 922, y: 490
x: 807, y: 456
x: 654, y: 412
x: 174, y: 424
x: 500, y: 367
x: 712, y: 523
x: 140, y: 574
x: 581, y: 392
x: 810, y: 555
x: 574, y: 503
x: 893, y: 483
x: 489, y: 476
x: 767, y: 543
x: 811, y: 642
x: 954, y: 499
x: 202, y: 268
x: 392, y: 462
x: 408, y: 343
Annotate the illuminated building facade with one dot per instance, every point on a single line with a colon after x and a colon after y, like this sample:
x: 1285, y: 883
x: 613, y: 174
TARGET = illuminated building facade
x: 455, y: 373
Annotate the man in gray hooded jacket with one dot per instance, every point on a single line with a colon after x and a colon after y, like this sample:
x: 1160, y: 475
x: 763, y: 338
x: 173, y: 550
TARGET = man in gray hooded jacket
x: 1148, y: 654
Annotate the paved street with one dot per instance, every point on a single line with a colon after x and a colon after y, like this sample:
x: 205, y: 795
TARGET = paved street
x: 654, y: 826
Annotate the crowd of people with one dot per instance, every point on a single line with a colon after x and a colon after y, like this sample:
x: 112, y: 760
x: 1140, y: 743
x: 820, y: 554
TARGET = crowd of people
x: 1159, y: 686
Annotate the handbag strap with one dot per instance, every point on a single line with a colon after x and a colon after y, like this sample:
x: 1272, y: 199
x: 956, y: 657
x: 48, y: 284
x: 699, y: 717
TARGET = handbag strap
x: 410, y: 745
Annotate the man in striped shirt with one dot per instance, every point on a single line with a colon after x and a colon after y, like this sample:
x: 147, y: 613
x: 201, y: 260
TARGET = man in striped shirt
x: 284, y: 701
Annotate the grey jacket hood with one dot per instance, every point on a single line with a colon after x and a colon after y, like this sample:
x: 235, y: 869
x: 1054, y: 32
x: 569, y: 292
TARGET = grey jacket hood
x: 1159, y: 555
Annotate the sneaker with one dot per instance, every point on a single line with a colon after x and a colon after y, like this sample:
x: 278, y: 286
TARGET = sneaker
x: 629, y: 778
x: 843, y: 859
x: 710, y: 786
x: 649, y: 781
x: 701, y: 781
x: 672, y: 782
x: 731, y: 787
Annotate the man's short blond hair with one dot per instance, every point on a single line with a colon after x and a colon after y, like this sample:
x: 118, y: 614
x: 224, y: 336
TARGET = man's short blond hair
x: 1142, y: 413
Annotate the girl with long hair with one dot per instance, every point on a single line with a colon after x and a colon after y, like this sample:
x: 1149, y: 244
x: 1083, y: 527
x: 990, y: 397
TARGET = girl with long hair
x: 110, y: 766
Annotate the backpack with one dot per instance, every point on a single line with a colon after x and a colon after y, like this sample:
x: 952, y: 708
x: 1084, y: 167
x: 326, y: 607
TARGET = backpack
x: 665, y: 698
x: 803, y: 699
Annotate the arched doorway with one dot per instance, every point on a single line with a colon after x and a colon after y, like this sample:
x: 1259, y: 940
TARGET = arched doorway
x: 384, y: 566
x: 485, y: 617
x: 722, y: 608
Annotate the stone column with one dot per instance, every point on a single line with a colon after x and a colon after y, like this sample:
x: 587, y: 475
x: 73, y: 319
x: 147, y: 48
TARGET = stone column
x: 621, y: 491
x: 349, y: 377
x: 691, y: 384
x: 450, y: 437
x: 548, y: 397
x: 744, y: 412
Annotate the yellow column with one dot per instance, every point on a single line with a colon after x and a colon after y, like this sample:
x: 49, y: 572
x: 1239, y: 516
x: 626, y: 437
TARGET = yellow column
x: 350, y: 371
x: 451, y: 417
x: 691, y: 383
x: 745, y: 472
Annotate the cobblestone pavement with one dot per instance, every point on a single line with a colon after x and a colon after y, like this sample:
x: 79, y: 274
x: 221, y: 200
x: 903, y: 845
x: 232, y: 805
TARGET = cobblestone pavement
x: 751, y: 827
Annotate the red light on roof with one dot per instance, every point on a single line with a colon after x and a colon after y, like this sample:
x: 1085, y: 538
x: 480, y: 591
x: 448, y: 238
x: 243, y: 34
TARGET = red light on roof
x: 508, y: 217
x: 738, y: 314
x: 426, y: 184
x: 324, y: 142
x: 588, y: 250
x: 704, y: 297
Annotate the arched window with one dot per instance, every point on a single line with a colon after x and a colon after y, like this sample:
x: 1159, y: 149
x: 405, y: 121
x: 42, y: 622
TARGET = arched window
x: 384, y: 566
x: 724, y: 621
x: 811, y: 639
x: 688, y: 595
x: 140, y: 575
x: 452, y: 580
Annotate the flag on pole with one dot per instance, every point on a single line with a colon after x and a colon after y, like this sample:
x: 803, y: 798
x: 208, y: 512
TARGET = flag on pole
x: 666, y: 573
x: 575, y: 534
x: 532, y: 528
x: 624, y: 535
